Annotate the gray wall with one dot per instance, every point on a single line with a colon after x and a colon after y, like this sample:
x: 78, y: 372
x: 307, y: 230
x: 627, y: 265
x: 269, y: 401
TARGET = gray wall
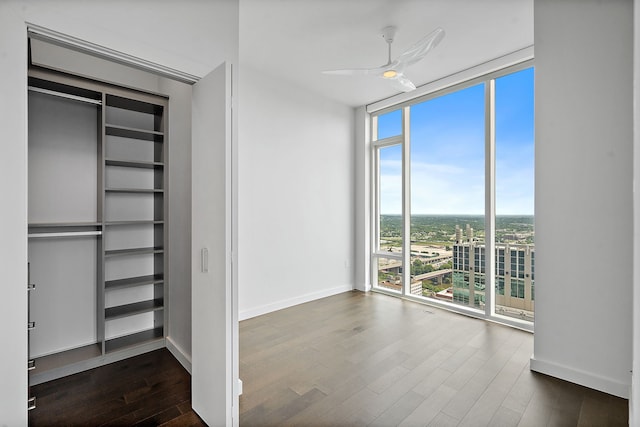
x: 634, y: 404
x: 584, y: 151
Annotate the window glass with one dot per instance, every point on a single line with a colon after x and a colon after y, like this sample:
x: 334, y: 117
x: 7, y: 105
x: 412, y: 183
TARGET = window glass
x: 447, y: 191
x: 390, y: 124
x: 514, y: 130
x: 389, y: 273
x: 390, y: 198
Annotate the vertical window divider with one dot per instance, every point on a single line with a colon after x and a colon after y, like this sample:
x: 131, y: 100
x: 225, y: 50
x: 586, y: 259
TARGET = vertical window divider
x: 406, y: 201
x: 375, y: 200
x: 490, y: 199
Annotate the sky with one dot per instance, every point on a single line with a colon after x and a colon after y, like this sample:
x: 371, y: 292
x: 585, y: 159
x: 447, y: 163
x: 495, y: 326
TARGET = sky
x: 448, y: 155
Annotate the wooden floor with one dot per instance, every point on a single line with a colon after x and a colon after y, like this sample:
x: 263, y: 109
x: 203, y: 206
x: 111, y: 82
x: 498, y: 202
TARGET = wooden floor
x: 148, y: 390
x: 369, y: 359
x: 348, y: 360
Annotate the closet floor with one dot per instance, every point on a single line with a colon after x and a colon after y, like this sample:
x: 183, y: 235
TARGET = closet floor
x: 150, y: 389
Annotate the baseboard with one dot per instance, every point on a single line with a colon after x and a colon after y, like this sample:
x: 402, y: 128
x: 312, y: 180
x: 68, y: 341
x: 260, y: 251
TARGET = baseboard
x: 179, y: 354
x: 583, y: 378
x: 279, y: 305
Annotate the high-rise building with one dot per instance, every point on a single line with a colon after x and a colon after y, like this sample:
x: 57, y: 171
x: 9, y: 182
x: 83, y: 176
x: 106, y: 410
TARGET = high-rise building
x: 514, y: 276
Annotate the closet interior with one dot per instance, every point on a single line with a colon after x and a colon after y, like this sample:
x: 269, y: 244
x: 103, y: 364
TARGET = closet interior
x: 98, y: 203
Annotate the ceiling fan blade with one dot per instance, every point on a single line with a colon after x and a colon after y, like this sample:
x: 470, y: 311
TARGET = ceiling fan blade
x: 419, y: 50
x: 359, y: 71
x: 402, y: 83
x: 350, y: 72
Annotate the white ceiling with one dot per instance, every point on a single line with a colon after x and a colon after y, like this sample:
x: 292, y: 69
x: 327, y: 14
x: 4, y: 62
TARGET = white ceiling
x: 297, y: 39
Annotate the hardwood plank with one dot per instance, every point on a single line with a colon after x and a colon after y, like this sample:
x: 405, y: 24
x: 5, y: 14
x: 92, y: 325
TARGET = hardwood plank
x: 190, y: 419
x: 430, y: 408
x: 505, y: 417
x: 398, y: 411
x: 444, y: 420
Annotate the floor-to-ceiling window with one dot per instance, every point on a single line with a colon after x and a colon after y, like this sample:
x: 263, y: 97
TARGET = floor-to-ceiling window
x: 387, y: 255
x: 453, y: 202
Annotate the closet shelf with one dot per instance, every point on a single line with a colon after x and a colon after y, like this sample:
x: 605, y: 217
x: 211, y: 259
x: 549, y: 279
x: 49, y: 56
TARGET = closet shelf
x: 135, y: 339
x: 36, y: 225
x: 64, y: 234
x: 132, y: 309
x: 133, y: 164
x: 65, y: 95
x: 135, y: 222
x: 134, y: 190
x: 134, y: 281
x: 64, y: 229
x: 50, y: 364
x: 134, y: 133
x: 134, y: 251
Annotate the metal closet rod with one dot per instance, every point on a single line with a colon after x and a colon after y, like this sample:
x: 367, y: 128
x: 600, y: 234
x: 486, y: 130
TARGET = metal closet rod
x: 65, y: 95
x: 66, y: 234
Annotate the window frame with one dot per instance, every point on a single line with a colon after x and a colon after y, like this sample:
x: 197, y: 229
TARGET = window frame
x: 488, y: 311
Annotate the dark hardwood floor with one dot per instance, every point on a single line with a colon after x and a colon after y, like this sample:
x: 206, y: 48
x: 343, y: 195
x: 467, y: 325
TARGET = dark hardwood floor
x: 351, y: 359
x: 147, y: 390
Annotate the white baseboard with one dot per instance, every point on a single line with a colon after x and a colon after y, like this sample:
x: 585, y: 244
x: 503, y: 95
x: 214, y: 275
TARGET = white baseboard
x: 179, y: 354
x: 586, y: 379
x: 279, y: 305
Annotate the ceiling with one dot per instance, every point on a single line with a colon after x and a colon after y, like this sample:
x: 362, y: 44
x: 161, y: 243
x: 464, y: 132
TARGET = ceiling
x: 297, y: 39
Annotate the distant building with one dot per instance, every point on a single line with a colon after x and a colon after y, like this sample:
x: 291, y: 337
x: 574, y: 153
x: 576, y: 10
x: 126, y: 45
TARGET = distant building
x: 514, y: 270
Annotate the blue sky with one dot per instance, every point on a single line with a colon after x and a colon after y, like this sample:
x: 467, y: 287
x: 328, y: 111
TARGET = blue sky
x: 447, y: 152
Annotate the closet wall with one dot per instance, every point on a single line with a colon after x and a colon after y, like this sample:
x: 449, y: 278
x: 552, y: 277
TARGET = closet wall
x: 63, y: 170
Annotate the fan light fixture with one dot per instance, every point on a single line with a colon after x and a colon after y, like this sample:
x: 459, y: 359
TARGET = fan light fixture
x: 389, y: 74
x: 393, y: 71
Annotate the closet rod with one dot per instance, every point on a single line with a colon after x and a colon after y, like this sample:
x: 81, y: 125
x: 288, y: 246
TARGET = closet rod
x: 65, y: 95
x: 67, y: 234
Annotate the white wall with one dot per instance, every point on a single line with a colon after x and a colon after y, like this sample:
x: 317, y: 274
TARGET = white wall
x: 296, y: 195
x: 13, y: 218
x: 584, y: 205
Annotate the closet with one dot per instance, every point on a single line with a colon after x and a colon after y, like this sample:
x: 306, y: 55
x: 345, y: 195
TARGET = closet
x: 97, y: 223
x: 131, y: 205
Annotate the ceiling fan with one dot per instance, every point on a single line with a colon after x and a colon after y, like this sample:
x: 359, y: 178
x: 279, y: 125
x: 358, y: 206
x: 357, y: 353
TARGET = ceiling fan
x: 394, y: 70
